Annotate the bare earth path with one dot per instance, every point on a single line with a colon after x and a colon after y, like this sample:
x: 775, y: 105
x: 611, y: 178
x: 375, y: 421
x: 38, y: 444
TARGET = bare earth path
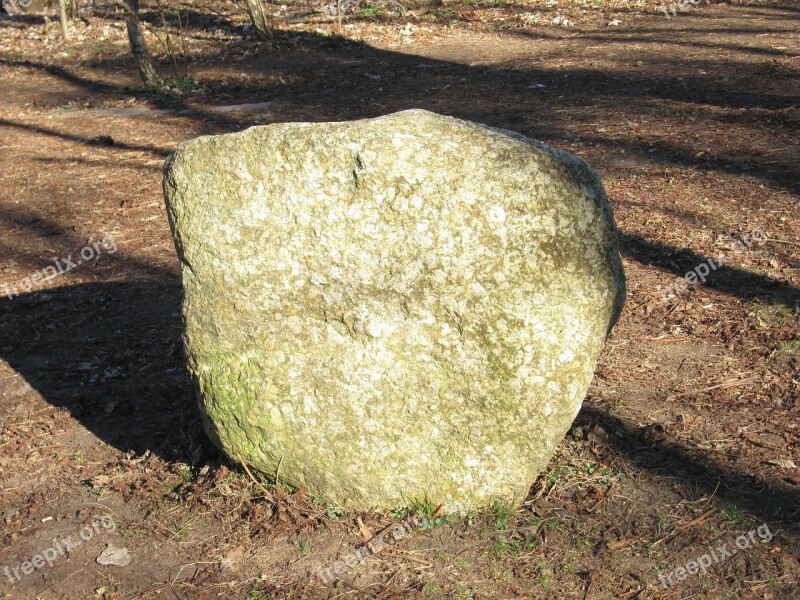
x: 688, y: 440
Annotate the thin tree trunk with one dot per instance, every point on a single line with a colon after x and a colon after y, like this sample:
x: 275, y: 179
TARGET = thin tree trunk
x: 144, y: 63
x: 62, y: 18
x: 256, y: 11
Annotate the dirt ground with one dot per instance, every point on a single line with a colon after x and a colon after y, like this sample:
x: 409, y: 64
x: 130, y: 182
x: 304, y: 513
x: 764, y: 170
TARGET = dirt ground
x: 689, y: 439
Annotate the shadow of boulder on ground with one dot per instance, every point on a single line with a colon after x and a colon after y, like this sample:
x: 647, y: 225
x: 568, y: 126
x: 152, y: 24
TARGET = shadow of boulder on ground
x: 112, y: 355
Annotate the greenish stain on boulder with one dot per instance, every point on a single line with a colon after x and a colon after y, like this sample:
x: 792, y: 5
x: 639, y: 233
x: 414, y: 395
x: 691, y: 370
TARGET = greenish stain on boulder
x: 408, y: 306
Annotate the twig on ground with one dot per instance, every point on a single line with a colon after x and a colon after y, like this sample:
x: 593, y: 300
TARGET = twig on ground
x: 706, y: 516
x: 725, y: 384
x: 267, y: 493
x: 403, y: 554
x: 781, y: 242
x: 365, y: 531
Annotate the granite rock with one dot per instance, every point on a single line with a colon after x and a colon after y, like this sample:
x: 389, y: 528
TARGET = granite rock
x: 395, y: 308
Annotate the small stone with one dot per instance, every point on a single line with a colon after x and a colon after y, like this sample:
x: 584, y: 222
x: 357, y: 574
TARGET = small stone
x: 112, y: 555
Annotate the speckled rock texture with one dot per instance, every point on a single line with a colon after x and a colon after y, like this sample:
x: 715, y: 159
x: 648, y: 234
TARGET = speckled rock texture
x: 408, y: 307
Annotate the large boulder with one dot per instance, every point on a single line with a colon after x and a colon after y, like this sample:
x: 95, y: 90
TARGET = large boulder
x: 391, y: 309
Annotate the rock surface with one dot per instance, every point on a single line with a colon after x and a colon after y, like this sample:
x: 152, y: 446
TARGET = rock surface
x: 112, y: 555
x: 395, y: 308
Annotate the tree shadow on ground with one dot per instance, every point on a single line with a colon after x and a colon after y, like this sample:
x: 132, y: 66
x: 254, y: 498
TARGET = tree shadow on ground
x: 726, y: 279
x: 336, y: 79
x: 650, y: 448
